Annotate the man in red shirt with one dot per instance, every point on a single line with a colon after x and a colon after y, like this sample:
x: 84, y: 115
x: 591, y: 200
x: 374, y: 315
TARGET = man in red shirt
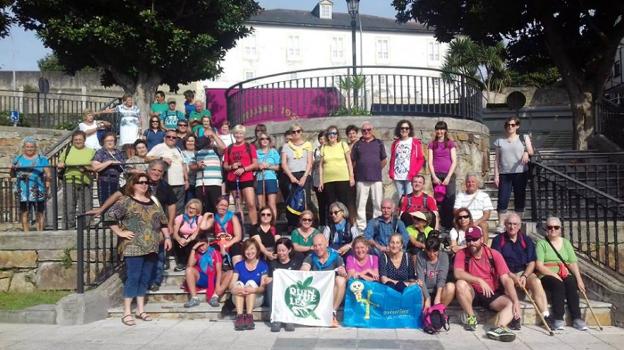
x: 418, y: 200
x: 483, y: 279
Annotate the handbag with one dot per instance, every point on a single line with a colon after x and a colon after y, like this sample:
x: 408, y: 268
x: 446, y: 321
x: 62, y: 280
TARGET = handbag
x: 564, y: 269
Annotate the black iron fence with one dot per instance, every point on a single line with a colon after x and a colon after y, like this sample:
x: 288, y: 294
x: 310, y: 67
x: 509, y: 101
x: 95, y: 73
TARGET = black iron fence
x: 96, y: 253
x: 592, y: 219
x: 609, y: 120
x: 335, y: 91
x: 52, y: 110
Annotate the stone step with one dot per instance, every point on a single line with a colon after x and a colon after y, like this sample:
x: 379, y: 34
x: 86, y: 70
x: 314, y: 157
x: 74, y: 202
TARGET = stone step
x: 204, y: 311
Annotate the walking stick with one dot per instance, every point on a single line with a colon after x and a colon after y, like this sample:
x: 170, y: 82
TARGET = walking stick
x: 539, y: 312
x: 591, y: 309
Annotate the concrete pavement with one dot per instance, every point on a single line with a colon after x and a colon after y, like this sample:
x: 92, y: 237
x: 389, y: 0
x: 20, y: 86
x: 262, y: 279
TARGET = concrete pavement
x: 110, y: 334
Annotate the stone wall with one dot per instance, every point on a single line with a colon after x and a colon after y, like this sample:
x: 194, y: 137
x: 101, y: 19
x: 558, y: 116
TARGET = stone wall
x: 11, y: 141
x: 37, y: 261
x: 471, y: 137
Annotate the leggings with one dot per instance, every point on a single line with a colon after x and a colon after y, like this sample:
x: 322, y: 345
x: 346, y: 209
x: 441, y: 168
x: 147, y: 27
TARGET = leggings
x: 560, y: 292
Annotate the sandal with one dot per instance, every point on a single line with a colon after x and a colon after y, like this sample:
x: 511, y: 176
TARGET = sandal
x: 128, y: 322
x: 143, y: 316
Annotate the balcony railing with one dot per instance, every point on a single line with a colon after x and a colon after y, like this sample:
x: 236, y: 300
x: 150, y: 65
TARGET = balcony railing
x: 375, y: 90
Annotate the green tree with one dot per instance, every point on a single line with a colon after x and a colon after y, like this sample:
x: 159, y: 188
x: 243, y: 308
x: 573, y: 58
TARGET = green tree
x: 580, y: 38
x: 485, y: 63
x: 139, y: 45
x: 50, y: 63
x: 5, y: 18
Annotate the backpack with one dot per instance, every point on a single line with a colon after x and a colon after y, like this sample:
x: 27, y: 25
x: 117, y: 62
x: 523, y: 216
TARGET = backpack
x: 435, y: 318
x: 407, y: 218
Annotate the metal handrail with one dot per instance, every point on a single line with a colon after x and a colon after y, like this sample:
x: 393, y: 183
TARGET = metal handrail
x: 54, y: 93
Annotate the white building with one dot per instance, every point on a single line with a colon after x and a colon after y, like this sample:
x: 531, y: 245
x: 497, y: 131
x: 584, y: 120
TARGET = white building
x: 286, y: 40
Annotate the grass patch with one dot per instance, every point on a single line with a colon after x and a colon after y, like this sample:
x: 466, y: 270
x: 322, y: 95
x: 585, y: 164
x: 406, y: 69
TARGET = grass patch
x: 18, y: 301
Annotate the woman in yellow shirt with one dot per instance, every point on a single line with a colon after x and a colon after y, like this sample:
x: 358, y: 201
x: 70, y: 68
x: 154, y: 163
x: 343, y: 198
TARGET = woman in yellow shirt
x: 336, y: 169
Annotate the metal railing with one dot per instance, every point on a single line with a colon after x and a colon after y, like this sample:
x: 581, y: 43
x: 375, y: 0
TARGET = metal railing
x: 332, y: 91
x: 96, y: 253
x: 592, y: 219
x: 609, y: 121
x: 52, y: 110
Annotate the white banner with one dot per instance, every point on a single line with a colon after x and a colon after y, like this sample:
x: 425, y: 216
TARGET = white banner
x: 303, y: 297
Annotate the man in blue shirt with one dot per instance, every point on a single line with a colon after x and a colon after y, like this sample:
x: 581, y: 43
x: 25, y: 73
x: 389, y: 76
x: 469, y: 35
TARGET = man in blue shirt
x: 171, y: 116
x: 379, y: 229
x: 518, y: 250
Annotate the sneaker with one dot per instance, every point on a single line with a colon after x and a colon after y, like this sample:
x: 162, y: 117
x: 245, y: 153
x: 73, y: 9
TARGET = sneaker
x: 214, y: 301
x: 249, y: 324
x: 289, y: 327
x: 503, y: 334
x: 154, y: 287
x: 555, y: 325
x: 239, y: 323
x: 194, y: 301
x: 275, y: 327
x: 471, y: 323
x: 515, y: 324
x: 179, y: 268
x: 579, y: 324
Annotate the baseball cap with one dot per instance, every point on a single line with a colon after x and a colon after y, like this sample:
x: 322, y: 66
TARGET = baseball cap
x: 473, y: 232
x: 419, y: 215
x: 171, y: 100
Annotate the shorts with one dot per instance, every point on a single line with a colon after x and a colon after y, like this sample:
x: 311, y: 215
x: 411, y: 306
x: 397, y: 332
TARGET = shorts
x: 483, y: 301
x: 202, y: 282
x: 270, y: 187
x: 231, y: 185
x: 39, y: 207
x: 251, y: 283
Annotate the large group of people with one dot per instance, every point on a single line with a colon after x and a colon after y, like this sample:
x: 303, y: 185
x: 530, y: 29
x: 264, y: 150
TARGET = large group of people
x: 171, y: 187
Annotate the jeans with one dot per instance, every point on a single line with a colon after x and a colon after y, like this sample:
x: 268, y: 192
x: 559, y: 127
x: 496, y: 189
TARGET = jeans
x: 138, y: 271
x: 512, y: 182
x: 158, y: 268
x: 445, y: 208
x: 560, y: 292
x: 375, y: 189
x: 403, y: 187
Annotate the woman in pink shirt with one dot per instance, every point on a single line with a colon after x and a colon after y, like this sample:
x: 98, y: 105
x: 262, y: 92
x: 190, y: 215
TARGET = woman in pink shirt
x: 361, y: 264
x: 442, y: 157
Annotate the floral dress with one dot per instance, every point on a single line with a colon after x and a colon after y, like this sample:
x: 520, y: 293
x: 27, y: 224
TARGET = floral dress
x: 30, y: 173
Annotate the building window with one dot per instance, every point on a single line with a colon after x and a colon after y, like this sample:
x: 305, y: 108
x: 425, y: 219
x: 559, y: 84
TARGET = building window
x: 617, y: 68
x: 337, y: 49
x: 434, y: 51
x: 326, y: 11
x: 381, y: 48
x: 250, y: 47
x: 294, y: 48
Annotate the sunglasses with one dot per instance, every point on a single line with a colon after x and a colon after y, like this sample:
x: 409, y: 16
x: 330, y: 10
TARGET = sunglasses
x: 306, y: 220
x: 266, y: 214
x: 555, y: 227
x: 171, y: 137
x: 405, y: 128
x: 264, y: 139
x: 336, y: 212
x: 366, y: 130
x: 298, y: 131
x: 469, y: 240
x: 510, y: 125
x: 332, y: 133
x: 463, y: 216
x: 142, y: 183
x: 155, y: 121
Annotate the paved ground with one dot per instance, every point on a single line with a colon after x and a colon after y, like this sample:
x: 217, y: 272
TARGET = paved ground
x: 200, y: 334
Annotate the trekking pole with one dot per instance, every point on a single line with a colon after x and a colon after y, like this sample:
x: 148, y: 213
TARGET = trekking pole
x: 538, y: 311
x: 591, y: 309
x: 237, y: 204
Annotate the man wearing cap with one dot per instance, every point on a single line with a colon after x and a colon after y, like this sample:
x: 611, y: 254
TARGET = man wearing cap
x: 519, y: 252
x: 477, y: 201
x: 368, y: 155
x: 418, y: 200
x: 418, y: 232
x: 483, y: 279
x: 379, y: 229
x: 171, y: 116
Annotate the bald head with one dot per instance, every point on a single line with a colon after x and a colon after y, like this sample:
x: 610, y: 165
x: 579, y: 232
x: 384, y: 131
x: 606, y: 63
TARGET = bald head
x: 319, y: 245
x: 387, y: 207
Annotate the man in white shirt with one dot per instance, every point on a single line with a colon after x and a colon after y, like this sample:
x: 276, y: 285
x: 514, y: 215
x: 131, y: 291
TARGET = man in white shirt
x: 477, y: 201
x: 177, y: 176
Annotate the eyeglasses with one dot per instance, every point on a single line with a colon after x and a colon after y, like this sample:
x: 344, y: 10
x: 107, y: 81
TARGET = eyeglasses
x: 142, y: 183
x: 366, y: 130
x: 264, y: 139
x: 171, y: 137
x: 194, y: 208
x: 463, y: 216
x: 298, y: 131
x: 336, y: 212
x: 405, y: 128
x: 554, y: 227
x: 266, y: 214
x: 510, y: 125
x: 332, y: 133
x: 306, y: 220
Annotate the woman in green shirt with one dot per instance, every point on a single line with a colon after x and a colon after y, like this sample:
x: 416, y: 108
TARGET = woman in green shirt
x: 302, y: 236
x: 560, y: 282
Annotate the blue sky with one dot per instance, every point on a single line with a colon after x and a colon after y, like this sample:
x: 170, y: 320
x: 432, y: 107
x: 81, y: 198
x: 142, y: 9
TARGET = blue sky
x: 21, y: 49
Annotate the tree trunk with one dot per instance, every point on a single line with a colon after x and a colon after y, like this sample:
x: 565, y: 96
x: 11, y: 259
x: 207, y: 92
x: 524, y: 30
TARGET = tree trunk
x: 583, y: 118
x: 145, y: 89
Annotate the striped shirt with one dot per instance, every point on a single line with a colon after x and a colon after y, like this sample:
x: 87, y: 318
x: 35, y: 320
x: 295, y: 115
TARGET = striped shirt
x: 210, y: 174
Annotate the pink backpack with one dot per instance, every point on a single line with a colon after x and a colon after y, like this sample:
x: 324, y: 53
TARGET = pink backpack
x: 435, y: 319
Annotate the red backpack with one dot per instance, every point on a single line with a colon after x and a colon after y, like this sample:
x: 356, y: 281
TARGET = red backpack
x: 435, y: 319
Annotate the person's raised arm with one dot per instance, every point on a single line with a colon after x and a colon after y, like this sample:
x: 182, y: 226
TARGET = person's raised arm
x: 107, y: 204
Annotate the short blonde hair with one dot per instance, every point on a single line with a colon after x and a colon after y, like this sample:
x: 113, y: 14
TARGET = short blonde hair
x: 239, y: 128
x: 197, y: 202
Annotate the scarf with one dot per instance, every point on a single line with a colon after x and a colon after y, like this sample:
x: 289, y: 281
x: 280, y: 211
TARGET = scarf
x: 222, y: 221
x: 205, y: 261
x: 192, y: 221
x: 298, y: 150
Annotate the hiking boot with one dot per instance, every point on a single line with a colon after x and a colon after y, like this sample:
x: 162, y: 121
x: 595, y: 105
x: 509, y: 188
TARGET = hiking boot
x: 250, y: 322
x: 179, y: 268
x: 276, y: 326
x: 289, y: 327
x: 471, y: 323
x: 214, y: 301
x: 515, y: 324
x: 501, y: 334
x: 239, y: 323
x: 579, y: 324
x: 194, y: 301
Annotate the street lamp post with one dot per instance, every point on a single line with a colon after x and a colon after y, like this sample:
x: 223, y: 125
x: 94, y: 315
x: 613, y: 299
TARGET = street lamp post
x: 354, y: 9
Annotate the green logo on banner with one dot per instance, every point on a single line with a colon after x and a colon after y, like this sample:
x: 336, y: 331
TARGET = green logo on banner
x: 302, y: 299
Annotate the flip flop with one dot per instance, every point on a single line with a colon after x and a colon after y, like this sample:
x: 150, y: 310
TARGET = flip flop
x: 143, y: 316
x: 128, y: 322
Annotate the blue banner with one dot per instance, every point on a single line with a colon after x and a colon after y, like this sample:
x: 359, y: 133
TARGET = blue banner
x: 375, y: 305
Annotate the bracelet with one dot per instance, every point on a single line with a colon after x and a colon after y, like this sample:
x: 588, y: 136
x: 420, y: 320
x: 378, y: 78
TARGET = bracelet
x: 168, y: 238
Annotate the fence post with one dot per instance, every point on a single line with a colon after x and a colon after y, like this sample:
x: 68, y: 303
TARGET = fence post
x: 533, y: 178
x: 38, y: 112
x: 54, y: 193
x: 80, y: 254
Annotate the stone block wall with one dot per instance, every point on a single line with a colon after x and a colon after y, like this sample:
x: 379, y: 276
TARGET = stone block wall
x: 11, y: 141
x: 37, y: 261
